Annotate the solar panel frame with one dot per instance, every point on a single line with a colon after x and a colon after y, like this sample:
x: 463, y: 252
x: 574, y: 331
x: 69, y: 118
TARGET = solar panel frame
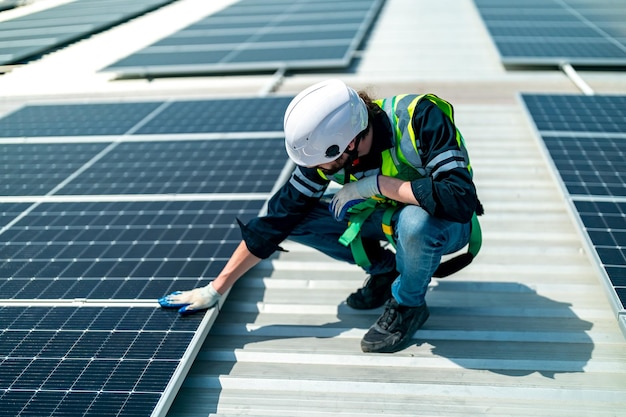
x: 254, y: 51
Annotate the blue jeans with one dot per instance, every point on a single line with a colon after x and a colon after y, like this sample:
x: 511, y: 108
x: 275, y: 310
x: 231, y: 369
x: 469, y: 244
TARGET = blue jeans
x: 421, y: 241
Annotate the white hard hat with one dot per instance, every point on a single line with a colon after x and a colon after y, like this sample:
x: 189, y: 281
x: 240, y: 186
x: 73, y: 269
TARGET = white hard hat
x: 321, y: 121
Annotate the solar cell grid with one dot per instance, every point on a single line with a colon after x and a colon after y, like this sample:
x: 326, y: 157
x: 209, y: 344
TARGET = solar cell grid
x: 10, y: 211
x: 525, y: 16
x: 184, y: 167
x: 260, y: 114
x: 577, y: 113
x: 590, y: 37
x: 506, y: 31
x: 605, y: 222
x: 246, y: 41
x: 75, y: 119
x: 118, y: 250
x: 69, y: 22
x: 314, y: 52
x: 585, y: 136
x: 221, y: 115
x: 78, y: 361
x: 582, y: 51
x: 590, y: 165
x: 58, y: 360
x: 36, y: 169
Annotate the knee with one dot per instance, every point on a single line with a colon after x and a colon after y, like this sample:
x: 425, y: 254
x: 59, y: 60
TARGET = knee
x: 415, y: 226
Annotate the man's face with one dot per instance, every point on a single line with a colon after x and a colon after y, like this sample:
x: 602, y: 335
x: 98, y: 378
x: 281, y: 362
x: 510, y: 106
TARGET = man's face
x: 335, y: 166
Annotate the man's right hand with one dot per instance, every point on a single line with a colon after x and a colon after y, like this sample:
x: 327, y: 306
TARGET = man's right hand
x: 192, y: 301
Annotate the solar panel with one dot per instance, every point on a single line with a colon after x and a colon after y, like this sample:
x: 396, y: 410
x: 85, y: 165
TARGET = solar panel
x: 119, y: 250
x: 28, y: 36
x: 259, y: 114
x: 184, y: 167
x: 262, y: 114
x: 579, y: 32
x: 251, y: 35
x: 167, y: 167
x: 85, y: 361
x: 578, y: 113
x: 75, y: 119
x: 585, y: 137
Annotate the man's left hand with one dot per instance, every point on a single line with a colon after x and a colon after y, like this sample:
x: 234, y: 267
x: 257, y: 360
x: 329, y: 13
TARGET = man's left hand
x: 353, y: 193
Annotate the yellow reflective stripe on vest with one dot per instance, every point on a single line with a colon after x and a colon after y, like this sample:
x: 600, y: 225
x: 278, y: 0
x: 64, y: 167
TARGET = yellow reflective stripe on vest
x: 388, y: 167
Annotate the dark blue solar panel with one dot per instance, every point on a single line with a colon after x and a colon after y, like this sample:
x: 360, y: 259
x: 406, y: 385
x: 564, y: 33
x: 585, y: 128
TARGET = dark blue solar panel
x: 85, y: 361
x: 547, y: 50
x: 585, y: 137
x: 184, y: 167
x: 551, y: 32
x: 563, y: 31
x: 260, y: 36
x: 577, y: 113
x: 123, y: 250
x: 75, y: 119
x: 189, y: 116
x: 38, y: 32
x: 220, y: 116
x: 36, y: 169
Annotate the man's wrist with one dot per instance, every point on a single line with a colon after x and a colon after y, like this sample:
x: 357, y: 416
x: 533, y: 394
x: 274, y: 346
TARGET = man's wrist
x: 368, y: 186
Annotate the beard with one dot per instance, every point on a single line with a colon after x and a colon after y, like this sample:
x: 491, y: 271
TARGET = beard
x: 335, y: 166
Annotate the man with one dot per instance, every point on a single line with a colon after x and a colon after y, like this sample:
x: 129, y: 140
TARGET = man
x: 406, y: 177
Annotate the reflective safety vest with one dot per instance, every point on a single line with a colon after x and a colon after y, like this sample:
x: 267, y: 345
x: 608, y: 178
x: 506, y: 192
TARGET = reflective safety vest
x: 402, y: 161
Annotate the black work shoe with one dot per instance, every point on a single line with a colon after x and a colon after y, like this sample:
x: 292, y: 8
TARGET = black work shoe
x: 375, y: 292
x: 394, y: 327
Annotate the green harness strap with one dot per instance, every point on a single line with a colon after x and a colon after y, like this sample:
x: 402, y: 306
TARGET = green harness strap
x: 359, y: 214
x: 352, y: 235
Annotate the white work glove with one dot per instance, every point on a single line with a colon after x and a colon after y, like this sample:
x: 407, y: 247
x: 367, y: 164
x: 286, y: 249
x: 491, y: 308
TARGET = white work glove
x: 191, y: 301
x: 352, y: 194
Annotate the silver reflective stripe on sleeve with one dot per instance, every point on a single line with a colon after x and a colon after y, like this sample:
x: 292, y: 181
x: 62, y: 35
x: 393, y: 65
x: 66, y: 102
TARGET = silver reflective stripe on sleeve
x: 445, y: 162
x: 306, y: 186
